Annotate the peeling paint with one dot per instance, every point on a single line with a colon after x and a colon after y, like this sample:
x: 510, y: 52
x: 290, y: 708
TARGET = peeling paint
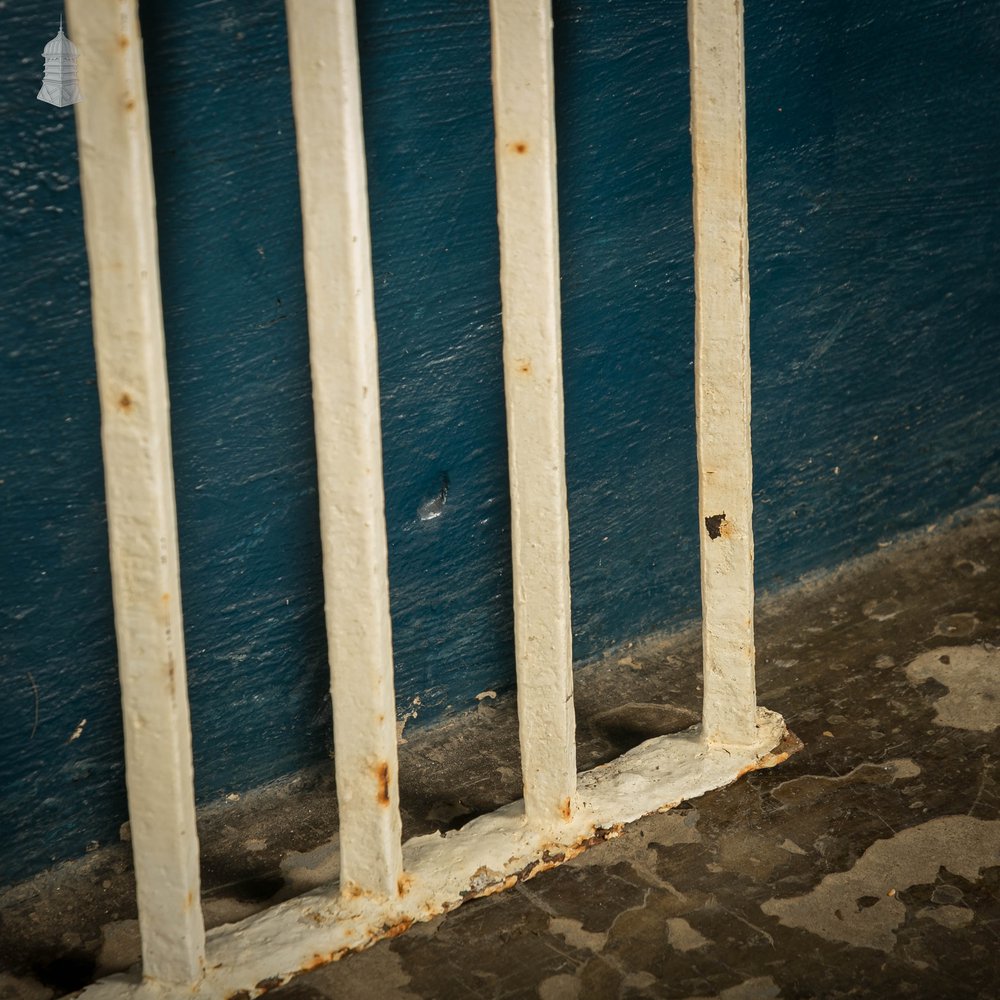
x: 572, y: 932
x: 957, y: 626
x: 791, y: 847
x: 682, y: 936
x: 758, y: 988
x: 713, y: 525
x: 882, y: 610
x: 808, y: 788
x: 834, y: 909
x: 560, y: 987
x: 972, y: 676
x: 952, y: 917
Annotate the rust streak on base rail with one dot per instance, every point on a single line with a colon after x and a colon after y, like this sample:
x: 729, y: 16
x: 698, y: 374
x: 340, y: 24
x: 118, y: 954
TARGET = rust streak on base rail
x: 489, y: 854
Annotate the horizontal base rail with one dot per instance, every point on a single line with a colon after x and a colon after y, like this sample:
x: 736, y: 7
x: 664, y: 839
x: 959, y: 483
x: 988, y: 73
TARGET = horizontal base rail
x: 487, y: 855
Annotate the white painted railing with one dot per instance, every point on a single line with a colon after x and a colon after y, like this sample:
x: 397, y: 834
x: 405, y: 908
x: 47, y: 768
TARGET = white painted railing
x: 386, y: 885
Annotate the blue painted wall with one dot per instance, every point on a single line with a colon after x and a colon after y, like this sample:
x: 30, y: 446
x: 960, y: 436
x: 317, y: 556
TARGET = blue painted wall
x: 874, y: 142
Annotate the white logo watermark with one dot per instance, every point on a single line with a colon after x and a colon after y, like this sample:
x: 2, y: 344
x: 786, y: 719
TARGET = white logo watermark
x: 59, y: 85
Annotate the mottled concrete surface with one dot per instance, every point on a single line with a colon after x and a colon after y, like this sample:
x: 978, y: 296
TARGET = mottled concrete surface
x: 867, y: 865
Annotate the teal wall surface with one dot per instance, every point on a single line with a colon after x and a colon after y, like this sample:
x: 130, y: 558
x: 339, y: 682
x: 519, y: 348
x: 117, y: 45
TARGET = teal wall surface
x: 874, y: 144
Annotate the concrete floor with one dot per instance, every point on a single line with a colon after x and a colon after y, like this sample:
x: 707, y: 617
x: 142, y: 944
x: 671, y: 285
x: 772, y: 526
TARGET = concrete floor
x: 867, y: 865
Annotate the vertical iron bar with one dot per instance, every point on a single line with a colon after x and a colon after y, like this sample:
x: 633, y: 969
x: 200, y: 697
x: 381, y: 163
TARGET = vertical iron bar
x: 120, y: 226
x: 524, y: 116
x: 722, y: 367
x: 326, y: 96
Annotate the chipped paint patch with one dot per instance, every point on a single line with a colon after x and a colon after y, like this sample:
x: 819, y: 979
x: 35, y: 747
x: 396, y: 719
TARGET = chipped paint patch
x: 957, y: 626
x: 962, y: 844
x: 639, y: 980
x: 972, y: 676
x: 882, y: 611
x: 750, y: 853
x: 758, y: 988
x: 809, y: 787
x: 682, y: 936
x: 791, y: 847
x: 658, y: 830
x: 952, y: 917
x: 572, y: 932
x: 671, y: 828
x: 410, y: 713
x: 308, y: 869
x: 561, y: 987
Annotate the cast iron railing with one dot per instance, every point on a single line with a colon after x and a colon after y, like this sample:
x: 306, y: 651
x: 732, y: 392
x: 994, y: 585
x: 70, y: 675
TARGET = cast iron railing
x: 386, y: 885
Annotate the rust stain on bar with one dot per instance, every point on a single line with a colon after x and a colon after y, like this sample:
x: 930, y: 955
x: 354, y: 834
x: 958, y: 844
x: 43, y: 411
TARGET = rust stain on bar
x: 382, y: 775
